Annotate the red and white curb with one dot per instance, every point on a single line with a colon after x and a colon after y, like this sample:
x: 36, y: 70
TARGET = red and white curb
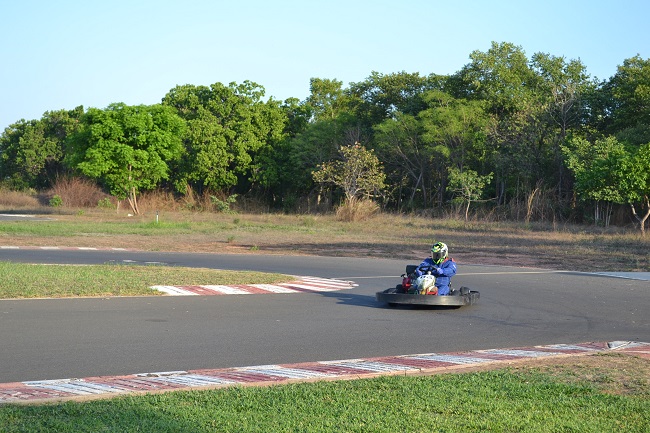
x: 300, y: 285
x: 106, y: 386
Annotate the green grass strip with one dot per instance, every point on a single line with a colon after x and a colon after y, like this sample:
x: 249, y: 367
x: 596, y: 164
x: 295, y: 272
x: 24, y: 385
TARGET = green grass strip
x: 19, y: 280
x: 496, y: 401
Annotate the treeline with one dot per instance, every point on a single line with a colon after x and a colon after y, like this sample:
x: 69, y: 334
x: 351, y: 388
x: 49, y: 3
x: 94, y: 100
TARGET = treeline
x: 523, y: 138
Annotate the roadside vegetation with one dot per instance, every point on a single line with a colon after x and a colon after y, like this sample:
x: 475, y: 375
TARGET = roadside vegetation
x: 598, y: 393
x: 508, y: 137
x: 162, y: 226
x: 18, y: 280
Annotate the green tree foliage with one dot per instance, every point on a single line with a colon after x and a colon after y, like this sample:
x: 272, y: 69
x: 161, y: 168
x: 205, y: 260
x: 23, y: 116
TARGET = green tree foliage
x: 379, y: 96
x: 418, y: 149
x: 31, y: 152
x: 326, y: 99
x: 226, y: 127
x: 24, y: 151
x: 626, y: 102
x: 358, y: 173
x: 501, y: 77
x: 611, y: 172
x: 456, y: 128
x: 502, y: 113
x: 127, y: 148
x: 467, y: 186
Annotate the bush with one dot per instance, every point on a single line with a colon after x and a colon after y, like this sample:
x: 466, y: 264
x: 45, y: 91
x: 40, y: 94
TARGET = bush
x: 56, y: 201
x: 105, y: 203
x: 357, y: 210
x: 17, y: 199
x: 76, y: 192
x: 223, y: 206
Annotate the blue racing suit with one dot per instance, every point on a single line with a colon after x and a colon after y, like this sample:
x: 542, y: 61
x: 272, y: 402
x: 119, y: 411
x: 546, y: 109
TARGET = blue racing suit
x: 442, y: 272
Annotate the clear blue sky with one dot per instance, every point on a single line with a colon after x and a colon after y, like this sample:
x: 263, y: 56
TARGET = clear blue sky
x: 65, y: 53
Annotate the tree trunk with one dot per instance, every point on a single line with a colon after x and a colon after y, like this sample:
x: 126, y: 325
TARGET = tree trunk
x: 133, y: 202
x: 644, y: 218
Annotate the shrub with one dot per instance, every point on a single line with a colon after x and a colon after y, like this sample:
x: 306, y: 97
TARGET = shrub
x: 17, y: 199
x: 223, y: 206
x: 56, y: 201
x: 356, y: 210
x: 105, y: 203
x: 158, y: 200
x: 77, y: 192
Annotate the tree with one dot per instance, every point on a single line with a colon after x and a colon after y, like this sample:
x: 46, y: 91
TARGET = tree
x: 226, y: 126
x: 501, y: 76
x: 456, y: 128
x: 640, y: 186
x: 326, y: 99
x: 128, y: 148
x: 380, y: 96
x: 408, y: 158
x: 358, y: 173
x: 31, y: 152
x: 627, y: 100
x: 467, y: 185
x: 612, y: 172
x: 24, y: 150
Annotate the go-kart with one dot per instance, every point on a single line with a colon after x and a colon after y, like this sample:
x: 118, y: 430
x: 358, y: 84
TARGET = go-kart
x: 421, y: 290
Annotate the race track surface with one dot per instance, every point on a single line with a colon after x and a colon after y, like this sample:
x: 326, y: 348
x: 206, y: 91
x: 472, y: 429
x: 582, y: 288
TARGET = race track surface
x: 45, y: 339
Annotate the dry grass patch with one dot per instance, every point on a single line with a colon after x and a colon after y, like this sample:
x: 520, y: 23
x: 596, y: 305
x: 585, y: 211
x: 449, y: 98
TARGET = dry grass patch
x: 77, y: 192
x: 15, y: 200
x: 404, y: 237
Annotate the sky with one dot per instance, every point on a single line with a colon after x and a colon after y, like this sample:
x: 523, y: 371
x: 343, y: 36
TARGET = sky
x: 66, y: 53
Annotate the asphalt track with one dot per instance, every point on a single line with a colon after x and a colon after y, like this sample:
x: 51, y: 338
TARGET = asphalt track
x: 66, y: 338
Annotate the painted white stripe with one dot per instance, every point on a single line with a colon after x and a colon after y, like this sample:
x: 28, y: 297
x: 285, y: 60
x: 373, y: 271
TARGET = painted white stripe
x: 87, y: 248
x: 372, y: 366
x: 9, y: 248
x: 451, y: 359
x: 568, y: 347
x: 173, y: 290
x: 515, y: 272
x: 314, y: 288
x: 49, y: 248
x: 226, y: 290
x: 522, y: 353
x: 276, y: 370
x: 273, y: 288
x: 328, y: 281
x: 76, y: 387
x: 620, y: 344
x: 193, y: 380
x: 162, y: 373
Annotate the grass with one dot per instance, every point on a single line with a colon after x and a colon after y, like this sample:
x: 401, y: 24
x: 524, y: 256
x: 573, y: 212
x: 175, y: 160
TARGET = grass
x: 505, y: 400
x: 407, y: 237
x: 19, y: 280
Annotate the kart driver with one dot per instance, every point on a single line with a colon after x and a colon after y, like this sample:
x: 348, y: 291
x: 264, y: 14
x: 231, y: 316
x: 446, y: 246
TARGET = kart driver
x: 440, y: 265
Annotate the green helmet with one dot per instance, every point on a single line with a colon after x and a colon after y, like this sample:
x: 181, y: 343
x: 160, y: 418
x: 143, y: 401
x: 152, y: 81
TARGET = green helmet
x: 439, y: 252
